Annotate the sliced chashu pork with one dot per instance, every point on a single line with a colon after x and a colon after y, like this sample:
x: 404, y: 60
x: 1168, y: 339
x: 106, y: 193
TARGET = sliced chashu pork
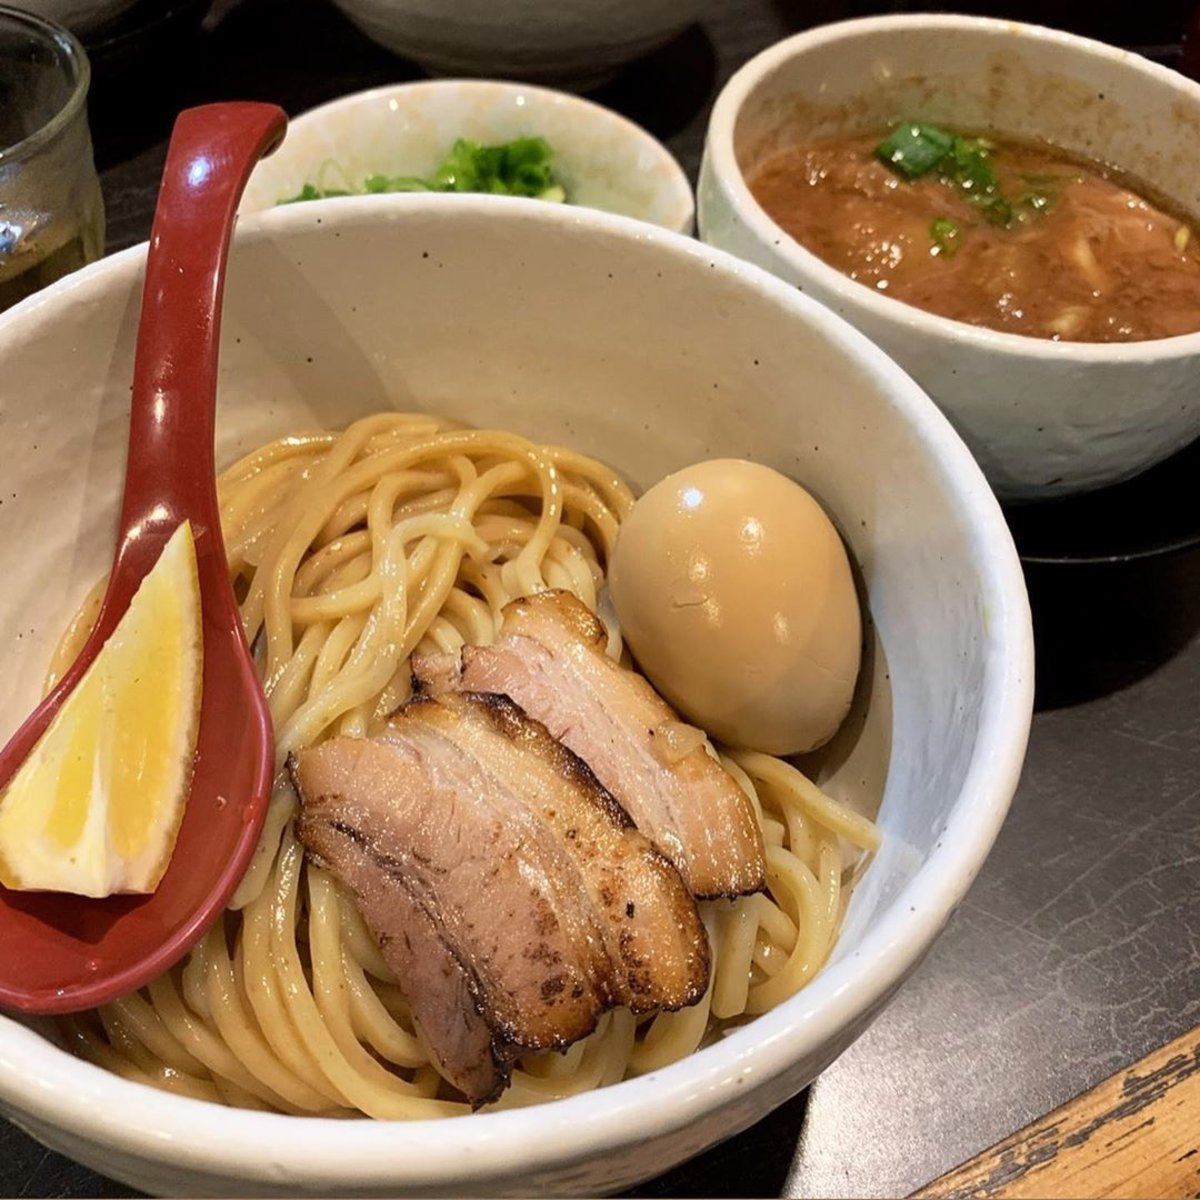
x: 550, y: 659
x: 509, y: 892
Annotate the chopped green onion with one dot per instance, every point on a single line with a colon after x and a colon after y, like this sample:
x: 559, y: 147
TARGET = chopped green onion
x: 969, y: 165
x: 913, y: 149
x: 996, y: 210
x: 945, y: 234
x: 309, y: 192
x: 523, y: 167
x: 375, y: 184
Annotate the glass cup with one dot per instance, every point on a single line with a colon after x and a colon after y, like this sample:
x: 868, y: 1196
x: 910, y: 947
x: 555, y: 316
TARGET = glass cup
x: 51, y: 210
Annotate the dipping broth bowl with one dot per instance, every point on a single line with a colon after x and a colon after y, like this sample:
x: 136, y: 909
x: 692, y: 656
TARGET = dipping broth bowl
x: 649, y: 351
x: 1043, y: 418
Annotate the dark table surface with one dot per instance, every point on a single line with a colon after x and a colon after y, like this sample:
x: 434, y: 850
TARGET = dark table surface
x: 1078, y: 949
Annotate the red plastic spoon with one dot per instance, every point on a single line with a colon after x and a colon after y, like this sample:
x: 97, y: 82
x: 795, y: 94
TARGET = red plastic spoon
x: 62, y: 953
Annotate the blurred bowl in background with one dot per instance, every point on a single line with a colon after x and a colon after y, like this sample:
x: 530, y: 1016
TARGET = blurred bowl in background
x: 575, y: 42
x: 602, y: 160
x: 82, y: 17
x: 150, y: 36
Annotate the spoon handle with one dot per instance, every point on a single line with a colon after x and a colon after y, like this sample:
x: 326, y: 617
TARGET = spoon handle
x: 170, y: 466
x: 169, y: 469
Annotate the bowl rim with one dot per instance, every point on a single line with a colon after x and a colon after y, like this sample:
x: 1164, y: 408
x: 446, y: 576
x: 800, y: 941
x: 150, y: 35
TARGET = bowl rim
x: 44, y: 1082
x: 682, y: 208
x: 720, y: 158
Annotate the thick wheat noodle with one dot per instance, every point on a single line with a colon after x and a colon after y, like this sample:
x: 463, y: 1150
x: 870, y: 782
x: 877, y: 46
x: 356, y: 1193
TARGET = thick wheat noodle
x: 351, y: 551
x: 209, y: 1048
x: 374, y: 1024
x: 139, y: 1016
x: 807, y: 797
x: 738, y: 926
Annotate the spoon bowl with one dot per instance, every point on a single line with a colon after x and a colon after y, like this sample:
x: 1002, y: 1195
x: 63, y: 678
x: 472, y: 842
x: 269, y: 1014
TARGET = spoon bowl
x: 64, y: 953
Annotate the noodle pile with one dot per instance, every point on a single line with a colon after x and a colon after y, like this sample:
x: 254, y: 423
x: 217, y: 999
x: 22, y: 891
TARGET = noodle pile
x: 351, y: 551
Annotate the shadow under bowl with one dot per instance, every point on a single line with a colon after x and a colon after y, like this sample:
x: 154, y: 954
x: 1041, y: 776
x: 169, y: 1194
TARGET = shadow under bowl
x: 1113, y: 579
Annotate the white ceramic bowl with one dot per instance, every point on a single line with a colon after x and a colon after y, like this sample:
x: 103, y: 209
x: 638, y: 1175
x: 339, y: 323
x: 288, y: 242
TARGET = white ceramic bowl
x: 1043, y: 418
x: 579, y: 42
x: 650, y: 351
x: 603, y: 160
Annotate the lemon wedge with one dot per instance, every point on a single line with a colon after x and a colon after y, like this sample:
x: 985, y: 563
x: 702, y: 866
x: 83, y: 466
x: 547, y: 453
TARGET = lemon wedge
x: 96, y: 807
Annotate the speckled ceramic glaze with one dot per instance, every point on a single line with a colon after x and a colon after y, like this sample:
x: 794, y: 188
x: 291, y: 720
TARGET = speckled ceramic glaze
x: 1043, y: 418
x: 603, y: 160
x: 569, y: 41
x: 650, y: 351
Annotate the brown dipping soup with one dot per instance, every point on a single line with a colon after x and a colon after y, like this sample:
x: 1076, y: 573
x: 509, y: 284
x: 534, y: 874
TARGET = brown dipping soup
x: 1083, y: 257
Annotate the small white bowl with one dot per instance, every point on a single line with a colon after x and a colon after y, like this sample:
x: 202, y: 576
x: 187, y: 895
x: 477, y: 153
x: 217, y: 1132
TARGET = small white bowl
x: 649, y: 351
x: 578, y: 42
x: 603, y: 160
x: 1043, y: 418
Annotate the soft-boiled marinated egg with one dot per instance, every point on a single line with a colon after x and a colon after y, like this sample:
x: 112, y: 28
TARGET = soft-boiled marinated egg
x: 735, y: 596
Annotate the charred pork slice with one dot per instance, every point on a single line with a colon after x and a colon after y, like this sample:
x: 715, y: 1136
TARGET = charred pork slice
x: 507, y: 889
x: 463, y: 891
x: 550, y: 659
x: 647, y: 917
